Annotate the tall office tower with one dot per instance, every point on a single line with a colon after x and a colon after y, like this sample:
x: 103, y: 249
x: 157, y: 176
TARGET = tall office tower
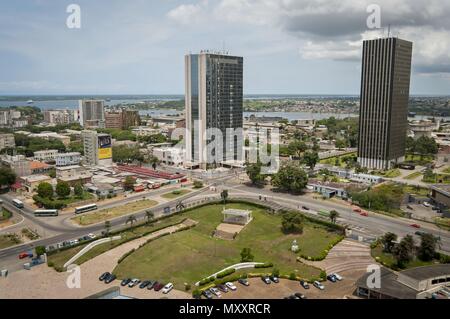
x: 92, y: 112
x: 383, y: 119
x: 214, y: 99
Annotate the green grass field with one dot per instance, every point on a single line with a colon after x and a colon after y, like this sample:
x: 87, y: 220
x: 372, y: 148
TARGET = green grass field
x: 176, y: 193
x: 413, y: 175
x: 189, y: 256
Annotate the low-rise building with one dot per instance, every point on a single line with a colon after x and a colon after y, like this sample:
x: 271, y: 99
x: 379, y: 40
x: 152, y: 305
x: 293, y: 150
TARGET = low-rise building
x: 169, y: 155
x: 46, y: 155
x: 18, y: 163
x: 73, y: 174
x: 31, y: 183
x: 7, y: 141
x: 68, y: 159
x: 37, y: 167
x: 60, y: 117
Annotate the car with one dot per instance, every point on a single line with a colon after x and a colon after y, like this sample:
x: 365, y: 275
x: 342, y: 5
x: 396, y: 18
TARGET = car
x: 415, y: 225
x: 364, y: 214
x: 158, y: 286
x: 244, y: 282
x: 357, y: 210
x: 222, y: 288
x: 304, y: 284
x: 110, y: 278
x: 274, y: 279
x: 151, y: 284
x: 104, y: 276
x: 92, y: 236
x: 144, y: 284
x: 25, y: 255
x: 231, y: 286
x: 133, y: 282
x: 266, y: 280
x: 125, y: 282
x: 318, y: 285
x: 305, y: 207
x: 167, y: 288
x: 207, y: 294
x: 331, y: 278
x: 426, y: 204
x: 337, y: 276
x: 300, y: 296
x: 215, y: 292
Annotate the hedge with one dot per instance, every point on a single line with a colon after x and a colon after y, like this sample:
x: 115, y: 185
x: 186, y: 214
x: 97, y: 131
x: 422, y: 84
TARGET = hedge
x: 225, y: 273
x: 265, y: 265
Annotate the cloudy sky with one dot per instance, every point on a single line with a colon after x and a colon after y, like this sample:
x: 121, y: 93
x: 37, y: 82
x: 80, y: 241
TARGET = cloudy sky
x: 137, y: 46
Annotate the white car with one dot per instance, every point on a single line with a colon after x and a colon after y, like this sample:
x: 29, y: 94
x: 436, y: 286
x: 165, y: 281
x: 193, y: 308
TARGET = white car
x: 216, y: 292
x: 426, y: 204
x: 91, y: 236
x: 231, y: 286
x: 318, y: 285
x: 337, y: 276
x: 167, y: 288
x: 133, y: 283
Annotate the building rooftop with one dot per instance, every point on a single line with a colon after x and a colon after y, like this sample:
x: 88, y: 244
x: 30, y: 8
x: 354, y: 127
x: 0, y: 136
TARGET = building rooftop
x: 427, y: 272
x: 38, y: 165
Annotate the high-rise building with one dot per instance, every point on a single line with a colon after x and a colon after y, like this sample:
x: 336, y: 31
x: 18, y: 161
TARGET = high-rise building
x: 92, y: 112
x: 122, y: 119
x: 97, y: 148
x: 214, y: 99
x: 383, y: 120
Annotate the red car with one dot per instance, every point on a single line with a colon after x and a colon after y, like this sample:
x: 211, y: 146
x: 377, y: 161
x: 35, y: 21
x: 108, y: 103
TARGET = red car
x: 415, y: 225
x: 25, y: 255
x: 365, y: 214
x: 357, y: 210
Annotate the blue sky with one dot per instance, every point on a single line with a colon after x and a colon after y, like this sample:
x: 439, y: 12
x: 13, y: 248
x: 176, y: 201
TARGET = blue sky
x: 137, y: 46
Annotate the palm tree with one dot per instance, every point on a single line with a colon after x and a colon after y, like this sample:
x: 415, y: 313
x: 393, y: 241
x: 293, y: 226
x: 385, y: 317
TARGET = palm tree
x: 131, y: 219
x: 334, y: 216
x: 107, y: 227
x: 180, y: 206
x: 224, y: 196
x: 149, y: 215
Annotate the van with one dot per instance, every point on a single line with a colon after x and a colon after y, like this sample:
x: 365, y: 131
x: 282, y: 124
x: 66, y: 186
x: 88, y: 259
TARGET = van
x: 167, y: 288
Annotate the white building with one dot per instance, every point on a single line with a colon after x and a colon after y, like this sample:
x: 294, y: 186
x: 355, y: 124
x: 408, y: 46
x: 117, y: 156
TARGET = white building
x: 7, y: 141
x: 169, y: 155
x: 68, y: 159
x: 90, y: 112
x: 46, y: 155
x: 97, y: 148
x: 60, y: 117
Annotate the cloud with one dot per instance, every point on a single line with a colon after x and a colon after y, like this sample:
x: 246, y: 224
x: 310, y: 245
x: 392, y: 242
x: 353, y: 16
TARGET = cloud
x: 188, y: 13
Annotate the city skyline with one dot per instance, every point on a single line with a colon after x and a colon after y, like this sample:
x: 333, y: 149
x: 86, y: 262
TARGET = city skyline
x: 143, y: 55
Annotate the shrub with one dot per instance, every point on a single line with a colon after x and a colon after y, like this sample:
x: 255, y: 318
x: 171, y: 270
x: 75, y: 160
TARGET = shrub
x: 226, y: 273
x: 265, y: 265
x: 196, y: 293
x: 323, y: 275
x: 198, y: 184
x: 187, y: 287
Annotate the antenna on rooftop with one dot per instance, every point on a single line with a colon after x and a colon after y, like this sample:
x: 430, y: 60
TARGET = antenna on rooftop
x: 389, y: 31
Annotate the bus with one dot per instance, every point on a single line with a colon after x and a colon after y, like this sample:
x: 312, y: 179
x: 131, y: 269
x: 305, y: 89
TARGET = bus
x: 46, y: 213
x: 84, y: 209
x: 18, y: 203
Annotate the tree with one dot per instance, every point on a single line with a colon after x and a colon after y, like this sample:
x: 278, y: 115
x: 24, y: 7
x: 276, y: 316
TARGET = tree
x: 404, y: 251
x: 246, y: 255
x: 388, y: 241
x: 107, y: 227
x: 149, y: 215
x: 40, y: 250
x: 224, y: 196
x: 198, y: 184
x: 45, y: 190
x: 128, y: 184
x: 427, y: 249
x: 297, y: 148
x: 290, y: 178
x: 254, y: 173
x: 62, y: 189
x: 78, y: 190
x: 154, y: 161
x: 341, y: 143
x: 7, y: 176
x: 311, y: 159
x: 130, y: 220
x: 334, y: 216
x: 292, y: 223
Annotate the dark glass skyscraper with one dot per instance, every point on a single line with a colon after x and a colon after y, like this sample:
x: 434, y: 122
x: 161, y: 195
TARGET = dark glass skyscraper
x: 214, y: 99
x: 383, y: 120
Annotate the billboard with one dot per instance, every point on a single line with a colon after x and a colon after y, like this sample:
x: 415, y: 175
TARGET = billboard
x: 104, y: 147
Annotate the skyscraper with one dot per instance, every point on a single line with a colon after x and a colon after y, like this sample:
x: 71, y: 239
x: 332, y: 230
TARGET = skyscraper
x: 214, y: 99
x: 92, y: 113
x: 383, y: 120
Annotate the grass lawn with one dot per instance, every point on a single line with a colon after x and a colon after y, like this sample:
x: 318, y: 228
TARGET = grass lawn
x: 8, y: 241
x: 388, y: 174
x: 176, y: 193
x: 413, y: 175
x: 189, y: 256
x: 416, y: 190
x: 110, y: 213
x: 389, y: 261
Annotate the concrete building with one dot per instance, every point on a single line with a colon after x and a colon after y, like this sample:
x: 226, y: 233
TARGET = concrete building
x: 423, y: 128
x: 92, y: 111
x: 73, y: 174
x: 97, y: 148
x: 8, y: 117
x: 145, y: 131
x: 68, y: 159
x: 385, y: 83
x: 31, y: 183
x: 46, y: 155
x: 169, y: 155
x: 59, y: 117
x: 214, y: 99
x: 7, y: 141
x: 18, y: 163
x: 122, y: 119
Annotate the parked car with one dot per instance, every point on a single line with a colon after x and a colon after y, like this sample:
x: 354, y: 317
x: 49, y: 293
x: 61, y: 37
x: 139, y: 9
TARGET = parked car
x: 266, y: 280
x: 274, y: 279
x: 207, y: 294
x: 104, y: 276
x: 125, y: 282
x: 415, y: 225
x: 357, y: 210
x: 231, y: 286
x: 300, y: 296
x: 337, y: 276
x: 133, y: 282
x: 215, y: 292
x: 110, y: 279
x: 318, y: 285
x: 25, y: 255
x: 426, y: 204
x: 364, y: 214
x: 144, y: 284
x: 305, y: 208
x: 158, y: 286
x: 304, y: 284
x: 331, y: 278
x: 222, y: 288
x: 244, y: 282
x: 167, y: 288
x: 151, y: 284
